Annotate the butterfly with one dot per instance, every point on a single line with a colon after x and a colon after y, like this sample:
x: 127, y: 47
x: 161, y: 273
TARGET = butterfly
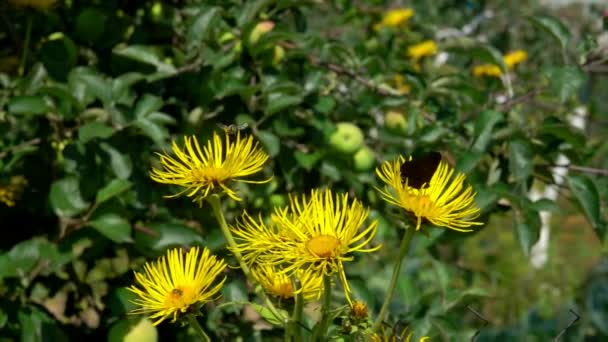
x: 420, y: 170
x: 233, y: 128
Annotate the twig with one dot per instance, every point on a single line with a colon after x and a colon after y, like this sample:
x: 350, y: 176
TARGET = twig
x: 593, y: 170
x: 485, y: 322
x: 520, y: 99
x: 569, y: 325
x: 190, y: 67
x: 19, y: 147
x: 145, y: 230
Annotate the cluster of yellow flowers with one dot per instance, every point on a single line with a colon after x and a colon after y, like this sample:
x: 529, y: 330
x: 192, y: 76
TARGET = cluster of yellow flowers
x: 303, y: 245
x: 511, y: 59
x: 11, y: 191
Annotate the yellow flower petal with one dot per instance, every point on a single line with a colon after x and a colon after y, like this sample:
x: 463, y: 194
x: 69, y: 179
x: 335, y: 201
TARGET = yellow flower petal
x: 445, y: 201
x: 171, y: 285
x: 202, y: 172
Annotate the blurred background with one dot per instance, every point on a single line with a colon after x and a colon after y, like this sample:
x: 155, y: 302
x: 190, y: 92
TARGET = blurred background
x: 513, y: 93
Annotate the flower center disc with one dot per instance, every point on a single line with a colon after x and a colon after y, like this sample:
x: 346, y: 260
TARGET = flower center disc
x: 179, y: 297
x: 208, y: 174
x: 283, y: 288
x: 323, y: 246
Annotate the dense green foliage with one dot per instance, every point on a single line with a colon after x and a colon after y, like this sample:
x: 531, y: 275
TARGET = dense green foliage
x: 91, y: 90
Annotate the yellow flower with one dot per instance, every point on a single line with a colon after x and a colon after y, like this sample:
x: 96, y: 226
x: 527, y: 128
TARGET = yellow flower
x: 215, y: 166
x: 172, y: 285
x: 513, y: 58
x: 10, y: 192
x: 443, y: 200
x: 41, y: 5
x: 359, y: 310
x: 424, y: 49
x: 395, y: 17
x: 316, y: 234
x: 401, y: 85
x: 281, y: 285
x: 491, y: 70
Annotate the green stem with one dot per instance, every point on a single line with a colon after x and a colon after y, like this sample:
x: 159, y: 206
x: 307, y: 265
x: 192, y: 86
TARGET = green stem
x: 214, y: 201
x: 293, y: 328
x: 403, y: 248
x: 197, y: 327
x: 26, y: 44
x: 321, y: 329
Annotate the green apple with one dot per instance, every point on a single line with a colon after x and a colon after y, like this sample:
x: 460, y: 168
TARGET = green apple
x: 395, y: 122
x: 259, y: 30
x: 278, y: 200
x: 129, y: 331
x: 278, y: 55
x: 364, y: 159
x: 347, y: 139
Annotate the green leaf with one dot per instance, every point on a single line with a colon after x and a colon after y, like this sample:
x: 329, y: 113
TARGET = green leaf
x: 588, y: 198
x: 90, y: 25
x: 37, y: 326
x: 113, y: 227
x: 325, y: 104
x: 271, y: 142
x: 596, y: 300
x: 250, y: 11
x: 554, y: 27
x: 147, y: 104
x: 544, y: 204
x: 527, y: 226
x: 565, y: 132
x: 307, y: 160
x: 520, y: 159
x: 277, y: 101
x: 59, y: 55
x: 147, y: 55
x: 98, y: 86
x: 94, y: 130
x: 28, y: 105
x: 65, y: 197
x: 269, y: 317
x: 203, y: 23
x: 152, y: 130
x: 120, y: 162
x: 155, y: 238
x: 468, y: 161
x: 565, y: 81
x: 22, y: 258
x: 115, y: 187
x: 484, y: 125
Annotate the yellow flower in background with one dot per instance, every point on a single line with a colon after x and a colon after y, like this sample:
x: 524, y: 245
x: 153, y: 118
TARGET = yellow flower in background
x: 12, y: 191
x: 401, y: 85
x: 201, y: 172
x: 172, y: 285
x: 444, y: 200
x: 280, y: 284
x: 513, y: 58
x: 395, y: 17
x: 41, y: 5
x: 424, y: 49
x: 315, y: 234
x: 491, y: 70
